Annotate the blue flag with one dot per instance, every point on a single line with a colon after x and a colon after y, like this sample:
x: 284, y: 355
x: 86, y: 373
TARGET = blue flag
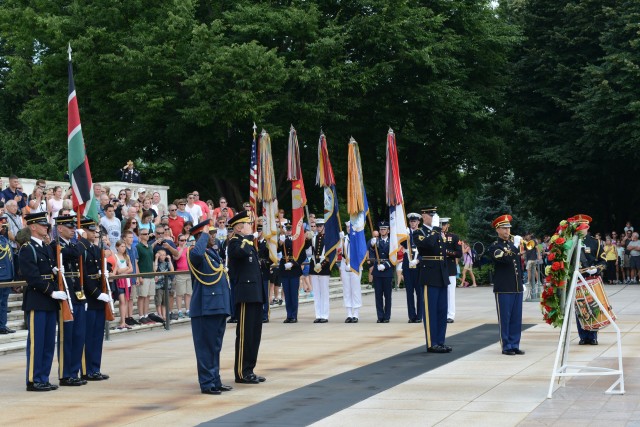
x: 331, y: 224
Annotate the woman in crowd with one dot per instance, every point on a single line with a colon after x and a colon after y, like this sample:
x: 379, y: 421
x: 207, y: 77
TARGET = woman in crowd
x: 158, y: 206
x: 611, y: 257
x: 467, y: 260
x: 55, y: 203
x: 146, y: 222
x: 123, y: 286
x: 210, y: 205
x: 183, y: 285
x: 131, y: 224
x: 186, y: 228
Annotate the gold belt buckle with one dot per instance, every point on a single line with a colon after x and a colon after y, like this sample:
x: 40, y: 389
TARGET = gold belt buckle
x: 80, y: 295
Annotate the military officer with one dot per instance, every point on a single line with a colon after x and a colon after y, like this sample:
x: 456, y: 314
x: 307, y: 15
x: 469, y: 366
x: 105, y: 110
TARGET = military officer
x: 592, y: 262
x: 96, y: 300
x: 41, y: 302
x: 507, y: 286
x: 130, y: 174
x: 434, y: 276
x: 209, y: 308
x: 244, y: 270
x: 320, y: 271
x: 71, y: 335
x: 266, y: 268
x: 409, y: 272
x: 289, y: 272
x: 454, y: 253
x: 382, y: 272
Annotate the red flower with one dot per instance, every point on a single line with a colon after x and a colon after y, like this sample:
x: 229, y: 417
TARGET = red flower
x: 546, y: 307
x: 551, y: 256
x: 549, y: 321
x: 583, y: 227
x: 560, y: 240
x: 556, y: 266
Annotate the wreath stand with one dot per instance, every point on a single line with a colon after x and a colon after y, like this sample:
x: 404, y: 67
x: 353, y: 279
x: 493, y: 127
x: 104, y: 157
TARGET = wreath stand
x: 561, y: 368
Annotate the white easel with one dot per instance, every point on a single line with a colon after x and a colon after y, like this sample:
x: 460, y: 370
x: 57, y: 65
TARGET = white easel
x: 562, y: 353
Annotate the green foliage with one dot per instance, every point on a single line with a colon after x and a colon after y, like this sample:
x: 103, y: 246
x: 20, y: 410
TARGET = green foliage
x: 483, y: 274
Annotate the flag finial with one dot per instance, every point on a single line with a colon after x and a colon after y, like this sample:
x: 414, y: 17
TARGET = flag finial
x: 254, y: 126
x: 69, y: 50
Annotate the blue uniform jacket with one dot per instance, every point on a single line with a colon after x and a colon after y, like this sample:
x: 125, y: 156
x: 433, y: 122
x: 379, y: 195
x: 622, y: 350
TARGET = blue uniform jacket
x: 91, y: 271
x: 244, y: 270
x: 286, y: 249
x: 383, y: 253
x: 70, y: 255
x: 454, y: 252
x: 211, y: 294
x: 432, y: 251
x: 507, y: 273
x: 36, y: 265
x: 6, y: 260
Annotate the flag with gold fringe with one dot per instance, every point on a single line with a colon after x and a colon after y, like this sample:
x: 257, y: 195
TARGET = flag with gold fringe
x: 358, y: 208
x: 393, y: 192
x: 325, y: 179
x: 267, y: 195
x: 298, y: 195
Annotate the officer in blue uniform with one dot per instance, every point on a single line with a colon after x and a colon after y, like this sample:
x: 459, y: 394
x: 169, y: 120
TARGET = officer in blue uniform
x: 6, y: 274
x: 210, y: 306
x: 96, y: 300
x: 454, y: 253
x: 41, y: 303
x: 410, y: 261
x: 592, y: 262
x: 434, y: 277
x: 266, y: 268
x: 507, y: 286
x: 289, y: 272
x: 244, y: 270
x: 71, y: 335
x: 382, y: 272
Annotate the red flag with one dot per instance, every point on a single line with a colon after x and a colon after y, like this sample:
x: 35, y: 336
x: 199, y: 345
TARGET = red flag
x: 298, y: 195
x: 253, y: 174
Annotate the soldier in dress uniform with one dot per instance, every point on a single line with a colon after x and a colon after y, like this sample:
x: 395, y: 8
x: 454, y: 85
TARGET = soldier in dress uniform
x: 409, y: 272
x: 454, y: 252
x: 289, y: 272
x: 434, y: 276
x: 382, y: 272
x: 71, y: 335
x: 351, y: 287
x: 130, y: 174
x: 41, y: 302
x: 209, y: 307
x: 592, y: 262
x: 320, y: 271
x: 266, y: 268
x: 96, y: 300
x: 244, y: 270
x: 507, y: 286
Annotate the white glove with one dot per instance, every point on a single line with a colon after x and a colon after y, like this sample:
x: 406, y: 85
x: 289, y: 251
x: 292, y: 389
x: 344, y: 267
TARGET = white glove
x: 592, y: 271
x: 435, y: 221
x: 321, y: 258
x: 61, y: 295
x: 341, y: 235
x: 413, y: 262
x: 283, y: 238
x: 408, y: 231
x: 288, y: 265
x: 255, y: 235
x: 86, y: 306
x: 373, y: 241
x: 381, y: 267
x: 104, y: 297
x: 106, y: 275
x: 56, y: 270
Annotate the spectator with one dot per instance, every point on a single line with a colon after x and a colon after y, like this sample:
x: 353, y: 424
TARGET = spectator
x: 162, y: 241
x: 628, y: 227
x: 223, y: 204
x: 211, y: 208
x: 123, y: 286
x: 247, y: 206
x: 221, y: 225
x: 194, y: 210
x: 132, y: 252
x: 142, y: 194
x: 147, y: 286
x: 97, y: 189
x: 111, y: 224
x: 182, y: 203
x: 129, y: 199
x: 6, y: 274
x: 13, y: 192
x: 626, y: 239
x: 175, y: 222
x: 146, y: 207
x: 203, y: 205
x: 183, y: 287
x: 157, y: 205
x: 14, y: 221
x: 37, y: 202
x: 146, y: 224
x: 634, y: 257
x: 610, y: 256
x: 104, y: 201
x: 131, y: 224
x: 186, y: 230
x: 161, y: 264
x: 129, y: 174
x: 467, y: 260
x: 134, y: 211
x: 619, y: 262
x: 40, y: 183
x: 55, y: 203
x: 283, y: 220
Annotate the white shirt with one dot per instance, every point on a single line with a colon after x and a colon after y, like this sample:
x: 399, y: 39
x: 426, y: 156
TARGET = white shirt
x: 195, y: 211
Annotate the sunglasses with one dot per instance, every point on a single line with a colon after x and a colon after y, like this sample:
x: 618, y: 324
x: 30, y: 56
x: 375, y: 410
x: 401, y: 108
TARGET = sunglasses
x: 144, y: 234
x: 172, y: 210
x: 182, y: 240
x: 134, y: 222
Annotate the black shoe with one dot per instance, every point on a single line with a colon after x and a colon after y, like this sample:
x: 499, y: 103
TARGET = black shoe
x: 265, y: 320
x: 251, y: 379
x: 4, y: 331
x: 412, y: 321
x: 129, y: 321
x: 81, y: 381
x: 52, y: 386
x: 279, y: 302
x: 583, y: 342
x: 294, y: 321
x: 259, y: 378
x: 38, y: 387
x: 379, y: 321
x: 317, y: 321
x: 354, y: 320
x: 593, y: 342
x: 348, y: 320
x: 448, y: 348
x: 95, y: 377
x: 518, y: 351
x: 70, y: 382
x: 212, y: 390
x: 287, y: 320
x: 232, y: 320
x: 225, y: 387
x: 155, y: 318
x: 324, y: 320
x: 436, y: 349
x: 385, y: 321
x: 449, y: 320
x: 509, y: 352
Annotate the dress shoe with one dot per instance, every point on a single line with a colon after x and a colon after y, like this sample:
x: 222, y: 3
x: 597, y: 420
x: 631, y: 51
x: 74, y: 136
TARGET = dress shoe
x: 259, y: 378
x: 251, y: 379
x: 348, y: 320
x: 95, y: 377
x: 385, y: 321
x: 448, y: 348
x: 583, y: 342
x: 232, y: 321
x: 287, y: 320
x: 593, y: 342
x: 38, y: 387
x: 316, y: 321
x: 509, y: 352
x: 518, y: 351
x: 225, y: 387
x: 52, y: 386
x: 354, y: 320
x: 379, y: 321
x: 265, y: 320
x: 7, y: 331
x: 324, y: 320
x: 449, y: 320
x: 436, y: 349
x: 70, y: 382
x: 212, y: 390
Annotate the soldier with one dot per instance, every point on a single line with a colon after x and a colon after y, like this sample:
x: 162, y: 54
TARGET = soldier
x: 209, y: 308
x: 266, y: 268
x: 96, y: 300
x: 592, y: 261
x: 40, y: 304
x: 289, y: 272
x: 454, y: 252
x: 409, y: 272
x: 244, y: 270
x: 507, y: 286
x: 320, y: 273
x: 434, y: 276
x: 129, y: 174
x: 71, y: 335
x: 382, y: 272
x: 351, y: 288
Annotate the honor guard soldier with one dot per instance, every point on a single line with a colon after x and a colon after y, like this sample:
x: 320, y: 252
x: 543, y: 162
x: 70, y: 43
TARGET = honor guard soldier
x: 434, y: 276
x: 409, y: 272
x: 130, y: 174
x: 592, y: 262
x: 289, y: 272
x: 454, y: 252
x: 266, y: 268
x: 320, y: 273
x: 382, y: 272
x: 244, y: 270
x: 351, y: 287
x: 507, y: 286
x: 96, y: 300
x: 41, y: 302
x: 209, y: 308
x: 71, y: 335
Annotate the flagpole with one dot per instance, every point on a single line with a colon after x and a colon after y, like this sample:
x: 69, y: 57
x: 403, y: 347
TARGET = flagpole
x: 372, y: 230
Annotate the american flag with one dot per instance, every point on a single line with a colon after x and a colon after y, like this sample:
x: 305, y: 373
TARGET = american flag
x: 253, y: 173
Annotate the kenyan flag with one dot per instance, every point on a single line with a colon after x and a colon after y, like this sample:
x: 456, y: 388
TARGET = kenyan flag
x: 84, y: 201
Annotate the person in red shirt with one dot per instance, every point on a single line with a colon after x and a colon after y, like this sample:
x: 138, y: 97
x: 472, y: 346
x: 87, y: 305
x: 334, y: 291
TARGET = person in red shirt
x: 203, y: 205
x: 175, y: 222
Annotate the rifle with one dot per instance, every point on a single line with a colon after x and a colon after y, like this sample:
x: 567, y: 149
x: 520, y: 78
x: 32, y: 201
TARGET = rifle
x: 65, y: 306
x: 108, y: 306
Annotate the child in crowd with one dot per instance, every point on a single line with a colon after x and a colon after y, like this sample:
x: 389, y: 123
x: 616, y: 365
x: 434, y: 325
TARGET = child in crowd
x: 123, y: 286
x: 161, y: 263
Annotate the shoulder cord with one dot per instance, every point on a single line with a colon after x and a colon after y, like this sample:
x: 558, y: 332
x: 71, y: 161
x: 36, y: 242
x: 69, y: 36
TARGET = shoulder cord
x: 4, y: 251
x: 216, y: 271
